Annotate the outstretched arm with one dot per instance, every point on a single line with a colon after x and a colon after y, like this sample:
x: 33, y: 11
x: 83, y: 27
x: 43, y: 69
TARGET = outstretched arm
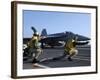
x: 34, y: 30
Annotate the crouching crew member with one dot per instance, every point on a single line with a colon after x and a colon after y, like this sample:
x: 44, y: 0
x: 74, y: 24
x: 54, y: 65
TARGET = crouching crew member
x: 34, y: 47
x: 70, y: 49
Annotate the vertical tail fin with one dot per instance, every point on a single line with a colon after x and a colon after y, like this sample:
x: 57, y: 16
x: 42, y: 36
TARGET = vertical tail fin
x: 44, y: 32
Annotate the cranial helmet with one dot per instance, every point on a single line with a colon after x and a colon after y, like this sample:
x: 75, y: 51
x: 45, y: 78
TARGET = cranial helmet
x: 36, y: 34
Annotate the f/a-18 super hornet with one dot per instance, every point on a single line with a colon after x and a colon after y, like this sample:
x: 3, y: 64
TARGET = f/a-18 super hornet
x: 57, y: 39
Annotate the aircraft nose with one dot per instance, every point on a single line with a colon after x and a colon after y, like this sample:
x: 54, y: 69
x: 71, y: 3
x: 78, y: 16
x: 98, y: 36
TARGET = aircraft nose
x: 82, y: 38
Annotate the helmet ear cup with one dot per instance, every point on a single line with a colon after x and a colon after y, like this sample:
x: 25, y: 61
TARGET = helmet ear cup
x: 37, y: 33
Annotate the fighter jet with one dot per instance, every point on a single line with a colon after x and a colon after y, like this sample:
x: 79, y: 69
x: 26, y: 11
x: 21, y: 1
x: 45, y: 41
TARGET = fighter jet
x: 57, y: 39
x: 52, y: 40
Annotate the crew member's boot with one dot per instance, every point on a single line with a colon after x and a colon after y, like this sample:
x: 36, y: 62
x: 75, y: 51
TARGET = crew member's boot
x: 35, y: 60
x: 69, y: 58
